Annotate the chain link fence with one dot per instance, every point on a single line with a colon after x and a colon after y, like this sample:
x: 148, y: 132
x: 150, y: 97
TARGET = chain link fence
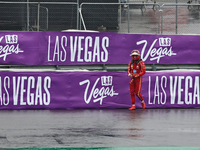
x: 122, y: 16
x: 38, y: 16
x: 99, y: 16
x: 140, y: 18
x: 182, y: 18
x: 148, y: 17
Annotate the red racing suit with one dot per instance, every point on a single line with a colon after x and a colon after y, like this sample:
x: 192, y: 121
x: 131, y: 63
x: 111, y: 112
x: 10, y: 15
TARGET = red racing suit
x: 136, y: 69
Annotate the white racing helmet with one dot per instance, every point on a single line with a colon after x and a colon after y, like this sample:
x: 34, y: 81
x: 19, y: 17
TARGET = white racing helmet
x: 135, y: 54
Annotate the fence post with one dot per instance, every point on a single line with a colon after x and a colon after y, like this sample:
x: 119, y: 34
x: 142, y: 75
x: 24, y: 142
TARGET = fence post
x: 38, y: 17
x: 161, y: 12
x: 28, y: 15
x: 159, y: 21
x: 128, y: 18
x: 120, y: 14
x: 81, y: 17
x: 77, y: 20
x: 176, y: 16
x: 47, y: 18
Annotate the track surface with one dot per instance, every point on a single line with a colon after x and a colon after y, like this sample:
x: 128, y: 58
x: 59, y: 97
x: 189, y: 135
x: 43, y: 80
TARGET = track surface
x: 100, y: 128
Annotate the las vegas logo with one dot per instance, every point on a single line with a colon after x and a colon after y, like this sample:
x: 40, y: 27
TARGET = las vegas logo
x: 98, y: 94
x: 156, y: 53
x: 11, y: 46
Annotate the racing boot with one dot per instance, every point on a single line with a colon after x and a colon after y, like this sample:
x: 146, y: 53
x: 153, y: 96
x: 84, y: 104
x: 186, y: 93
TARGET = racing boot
x: 143, y: 104
x: 132, y: 107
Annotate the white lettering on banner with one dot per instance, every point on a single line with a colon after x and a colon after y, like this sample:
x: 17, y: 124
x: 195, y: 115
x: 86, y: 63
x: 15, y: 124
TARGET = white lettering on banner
x: 4, y: 96
x: 162, y: 87
x: 81, y: 48
x: 173, y: 89
x: 157, y: 53
x: 10, y: 47
x: 157, y: 93
x: 96, y: 93
x: 41, y: 94
x: 59, y: 52
x: 182, y: 90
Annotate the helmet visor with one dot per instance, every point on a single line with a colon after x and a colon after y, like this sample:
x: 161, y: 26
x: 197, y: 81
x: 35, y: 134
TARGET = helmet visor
x: 135, y: 52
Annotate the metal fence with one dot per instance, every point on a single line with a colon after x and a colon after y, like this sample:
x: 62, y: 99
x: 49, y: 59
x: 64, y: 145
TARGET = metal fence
x: 122, y: 16
x: 146, y: 17
x: 180, y: 18
x: 38, y: 16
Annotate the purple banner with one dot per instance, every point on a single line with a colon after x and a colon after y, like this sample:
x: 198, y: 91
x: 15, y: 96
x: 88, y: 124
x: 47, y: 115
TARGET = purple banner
x: 69, y: 90
x: 68, y: 48
x: 172, y: 90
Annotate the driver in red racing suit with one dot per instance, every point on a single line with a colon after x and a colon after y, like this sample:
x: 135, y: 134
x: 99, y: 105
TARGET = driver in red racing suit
x: 136, y: 68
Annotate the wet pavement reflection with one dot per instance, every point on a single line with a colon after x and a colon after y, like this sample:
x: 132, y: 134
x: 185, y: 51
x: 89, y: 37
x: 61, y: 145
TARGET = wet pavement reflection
x: 99, y: 128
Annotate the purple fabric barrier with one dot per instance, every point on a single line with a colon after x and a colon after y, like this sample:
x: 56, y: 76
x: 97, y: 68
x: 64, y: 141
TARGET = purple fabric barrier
x: 68, y: 48
x: 172, y: 90
x: 69, y: 90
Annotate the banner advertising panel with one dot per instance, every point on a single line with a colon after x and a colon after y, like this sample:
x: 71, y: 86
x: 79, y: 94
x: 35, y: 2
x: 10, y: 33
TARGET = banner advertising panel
x: 70, y: 90
x: 72, y: 48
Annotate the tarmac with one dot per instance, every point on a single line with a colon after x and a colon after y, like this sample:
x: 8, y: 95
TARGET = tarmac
x: 100, y: 128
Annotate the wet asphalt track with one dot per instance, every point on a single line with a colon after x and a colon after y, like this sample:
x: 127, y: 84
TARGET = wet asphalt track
x: 100, y: 128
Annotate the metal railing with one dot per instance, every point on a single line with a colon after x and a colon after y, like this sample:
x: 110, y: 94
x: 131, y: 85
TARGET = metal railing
x: 119, y: 15
x: 180, y: 9
x: 166, y: 18
x: 38, y: 16
x: 143, y: 17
